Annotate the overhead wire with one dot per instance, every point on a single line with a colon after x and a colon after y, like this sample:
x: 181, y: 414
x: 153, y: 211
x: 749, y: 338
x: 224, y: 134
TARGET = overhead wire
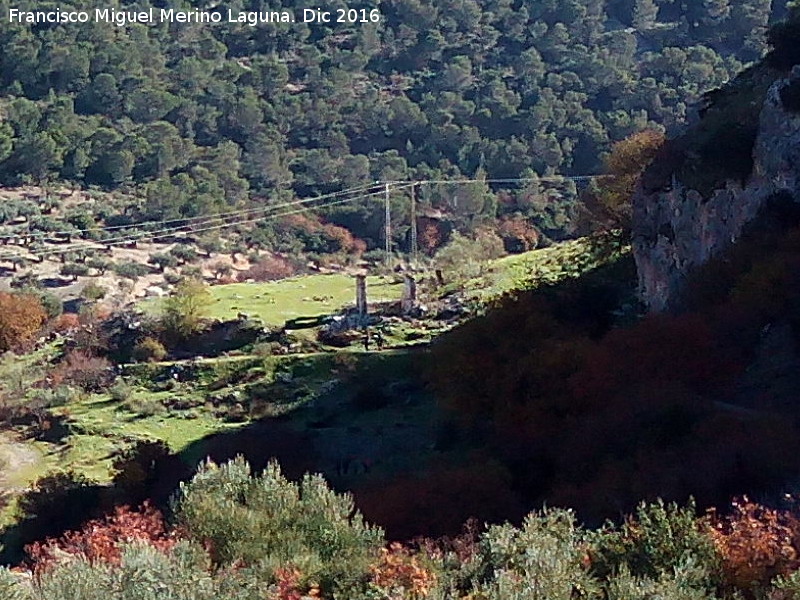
x: 304, y: 200
x: 188, y: 224
x: 190, y: 219
x: 169, y: 232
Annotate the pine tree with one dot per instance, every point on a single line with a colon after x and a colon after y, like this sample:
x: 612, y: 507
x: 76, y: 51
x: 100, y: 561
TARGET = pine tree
x: 645, y: 13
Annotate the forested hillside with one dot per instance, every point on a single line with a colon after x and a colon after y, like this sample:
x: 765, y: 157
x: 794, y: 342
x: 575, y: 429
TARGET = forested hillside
x: 201, y: 116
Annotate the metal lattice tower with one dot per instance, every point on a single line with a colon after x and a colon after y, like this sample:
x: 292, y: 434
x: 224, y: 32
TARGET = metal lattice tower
x: 388, y: 224
x: 414, y: 245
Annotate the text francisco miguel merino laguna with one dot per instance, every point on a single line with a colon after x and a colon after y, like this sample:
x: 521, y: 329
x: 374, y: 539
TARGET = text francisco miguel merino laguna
x: 170, y: 15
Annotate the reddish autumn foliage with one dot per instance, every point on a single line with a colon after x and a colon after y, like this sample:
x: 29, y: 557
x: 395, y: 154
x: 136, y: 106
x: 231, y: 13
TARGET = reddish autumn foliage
x: 101, y: 540
x: 288, y: 584
x: 80, y: 368
x: 430, y: 237
x: 290, y: 587
x: 269, y: 268
x: 756, y: 543
x: 400, y: 569
x: 21, y: 318
x: 66, y: 322
x: 322, y: 237
x: 518, y: 234
x: 342, y: 238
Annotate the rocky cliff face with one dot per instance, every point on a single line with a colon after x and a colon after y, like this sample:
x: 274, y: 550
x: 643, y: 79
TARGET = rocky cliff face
x: 676, y: 228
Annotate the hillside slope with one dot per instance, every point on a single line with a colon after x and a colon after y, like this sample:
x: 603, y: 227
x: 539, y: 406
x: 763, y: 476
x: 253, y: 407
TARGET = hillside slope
x: 198, y: 116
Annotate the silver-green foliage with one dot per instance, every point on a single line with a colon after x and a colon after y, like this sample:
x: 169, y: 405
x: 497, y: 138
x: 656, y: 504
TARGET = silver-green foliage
x: 14, y: 586
x: 788, y: 586
x: 680, y: 584
x: 144, y: 573
x: 267, y: 521
x: 651, y: 544
x: 544, y: 560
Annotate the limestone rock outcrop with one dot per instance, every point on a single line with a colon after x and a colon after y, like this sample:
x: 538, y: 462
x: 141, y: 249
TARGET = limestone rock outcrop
x: 676, y: 228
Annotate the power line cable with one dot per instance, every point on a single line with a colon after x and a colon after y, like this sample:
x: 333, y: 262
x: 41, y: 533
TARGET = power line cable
x: 193, y: 219
x: 186, y: 220
x: 169, y: 232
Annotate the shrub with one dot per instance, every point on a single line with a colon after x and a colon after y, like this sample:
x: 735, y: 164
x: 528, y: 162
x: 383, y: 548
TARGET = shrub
x: 163, y: 260
x: 269, y: 268
x: 467, y: 257
x: 144, y: 572
x: 626, y: 162
x: 51, y: 304
x: 149, y: 350
x: 102, y: 540
x: 183, y: 253
x: 58, y: 396
x: 184, y: 310
x: 652, y: 542
x: 101, y: 265
x: 787, y: 587
x: 91, y: 337
x: 399, y: 573
x: 192, y: 272
x: 272, y: 522
x: 544, y: 560
x: 145, y: 407
x: 88, y: 372
x: 120, y: 391
x: 27, y: 281
x: 678, y: 585
x: 130, y: 270
x: 21, y: 318
x: 222, y: 269
x: 66, y: 322
x: 518, y: 234
x: 756, y: 544
x: 74, y: 270
x: 93, y: 291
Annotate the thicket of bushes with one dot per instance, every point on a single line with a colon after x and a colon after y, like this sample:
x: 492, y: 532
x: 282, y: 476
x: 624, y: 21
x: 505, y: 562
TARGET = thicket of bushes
x: 239, y: 536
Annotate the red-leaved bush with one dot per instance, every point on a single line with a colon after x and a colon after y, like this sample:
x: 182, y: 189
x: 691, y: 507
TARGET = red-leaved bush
x: 82, y: 369
x: 21, y: 318
x: 398, y: 569
x: 66, y: 322
x: 101, y: 540
x: 269, y: 268
x: 518, y: 234
x: 756, y: 543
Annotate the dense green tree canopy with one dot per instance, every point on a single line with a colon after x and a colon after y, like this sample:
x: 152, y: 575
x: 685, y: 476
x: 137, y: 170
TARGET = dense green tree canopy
x: 199, y: 114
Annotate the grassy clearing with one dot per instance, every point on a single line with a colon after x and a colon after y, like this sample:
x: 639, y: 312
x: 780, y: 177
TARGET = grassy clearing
x: 537, y: 267
x: 308, y: 296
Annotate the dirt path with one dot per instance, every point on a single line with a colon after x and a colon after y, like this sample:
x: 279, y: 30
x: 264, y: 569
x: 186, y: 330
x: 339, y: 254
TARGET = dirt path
x: 18, y: 461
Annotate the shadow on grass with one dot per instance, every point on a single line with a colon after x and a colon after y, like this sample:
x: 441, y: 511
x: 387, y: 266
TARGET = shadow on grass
x: 101, y: 403
x: 65, y: 509
x: 306, y: 322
